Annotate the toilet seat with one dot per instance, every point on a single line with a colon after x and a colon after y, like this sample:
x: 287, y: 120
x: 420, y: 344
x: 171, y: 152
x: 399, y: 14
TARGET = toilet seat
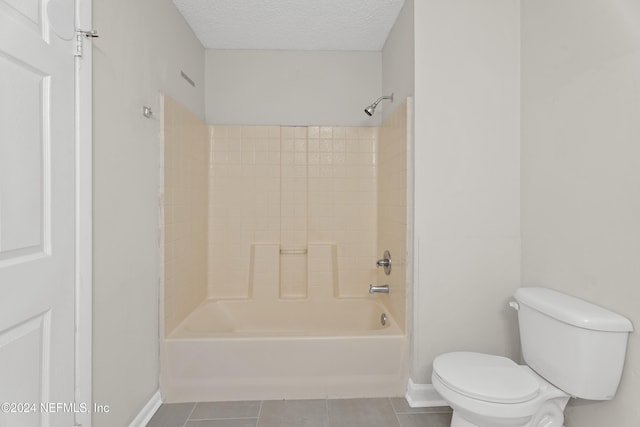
x: 486, y: 377
x: 474, y: 400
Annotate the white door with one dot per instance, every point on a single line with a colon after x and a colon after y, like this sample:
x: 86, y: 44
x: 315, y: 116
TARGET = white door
x: 37, y: 219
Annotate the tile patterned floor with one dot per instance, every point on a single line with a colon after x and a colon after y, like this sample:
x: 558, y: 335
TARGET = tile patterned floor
x: 378, y: 412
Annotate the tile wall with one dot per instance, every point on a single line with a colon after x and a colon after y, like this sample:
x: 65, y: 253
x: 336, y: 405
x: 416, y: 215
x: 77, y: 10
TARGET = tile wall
x: 295, y: 187
x: 281, y: 212
x: 184, y: 212
x: 244, y: 202
x: 294, y: 178
x: 342, y: 201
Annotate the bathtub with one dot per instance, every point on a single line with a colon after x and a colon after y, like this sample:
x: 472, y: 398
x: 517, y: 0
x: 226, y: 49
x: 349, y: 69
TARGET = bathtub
x: 285, y: 349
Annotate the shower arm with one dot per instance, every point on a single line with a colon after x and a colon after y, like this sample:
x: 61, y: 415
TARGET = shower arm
x: 375, y: 104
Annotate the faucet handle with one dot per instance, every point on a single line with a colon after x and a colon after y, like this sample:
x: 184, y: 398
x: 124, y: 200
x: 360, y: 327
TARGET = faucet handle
x: 385, y: 262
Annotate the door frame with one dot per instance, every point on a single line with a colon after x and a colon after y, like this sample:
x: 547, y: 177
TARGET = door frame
x: 84, y: 215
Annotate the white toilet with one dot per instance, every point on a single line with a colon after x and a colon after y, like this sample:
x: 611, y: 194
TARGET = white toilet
x: 572, y: 348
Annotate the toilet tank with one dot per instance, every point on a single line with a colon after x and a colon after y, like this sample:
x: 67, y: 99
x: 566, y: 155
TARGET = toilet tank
x: 577, y: 346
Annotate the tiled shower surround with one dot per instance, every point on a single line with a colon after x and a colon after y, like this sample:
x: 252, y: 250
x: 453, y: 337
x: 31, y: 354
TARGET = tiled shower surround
x: 292, y: 187
x: 293, y: 212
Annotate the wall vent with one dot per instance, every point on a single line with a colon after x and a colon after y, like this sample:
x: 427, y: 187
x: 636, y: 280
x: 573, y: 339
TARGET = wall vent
x: 187, y: 78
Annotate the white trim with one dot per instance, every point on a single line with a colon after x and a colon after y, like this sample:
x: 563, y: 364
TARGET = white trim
x: 84, y: 222
x: 423, y: 396
x: 145, y: 414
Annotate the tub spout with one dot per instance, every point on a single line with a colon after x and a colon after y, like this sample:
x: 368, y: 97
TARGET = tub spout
x: 383, y: 289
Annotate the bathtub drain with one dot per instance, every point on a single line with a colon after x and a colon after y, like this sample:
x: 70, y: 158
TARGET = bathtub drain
x: 383, y: 319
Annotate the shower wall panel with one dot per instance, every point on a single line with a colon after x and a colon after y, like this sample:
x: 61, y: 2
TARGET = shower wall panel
x: 185, y: 191
x: 293, y: 212
x: 342, y: 201
x: 393, y: 222
x: 244, y: 203
x: 300, y: 188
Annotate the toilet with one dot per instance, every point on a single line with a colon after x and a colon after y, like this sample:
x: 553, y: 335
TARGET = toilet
x: 571, y: 348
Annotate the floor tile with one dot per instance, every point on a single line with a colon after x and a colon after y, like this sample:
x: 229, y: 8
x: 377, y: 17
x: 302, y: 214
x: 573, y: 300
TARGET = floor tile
x: 376, y: 412
x: 232, y: 422
x: 171, y: 415
x: 221, y: 410
x: 425, y: 420
x: 293, y: 413
x: 361, y: 413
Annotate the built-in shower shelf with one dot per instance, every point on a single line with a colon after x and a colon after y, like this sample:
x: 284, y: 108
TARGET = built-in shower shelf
x: 293, y: 251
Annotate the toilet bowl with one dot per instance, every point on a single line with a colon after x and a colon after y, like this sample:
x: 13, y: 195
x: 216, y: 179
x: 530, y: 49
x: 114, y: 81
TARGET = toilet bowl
x: 571, y: 348
x: 491, y: 391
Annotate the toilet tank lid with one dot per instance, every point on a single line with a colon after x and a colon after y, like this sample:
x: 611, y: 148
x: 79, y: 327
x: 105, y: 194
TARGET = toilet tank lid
x: 572, y: 310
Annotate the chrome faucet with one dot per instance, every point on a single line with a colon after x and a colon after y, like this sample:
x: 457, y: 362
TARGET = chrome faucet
x: 385, y: 262
x: 383, y: 289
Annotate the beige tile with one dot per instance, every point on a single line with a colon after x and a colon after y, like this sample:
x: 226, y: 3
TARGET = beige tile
x: 303, y: 201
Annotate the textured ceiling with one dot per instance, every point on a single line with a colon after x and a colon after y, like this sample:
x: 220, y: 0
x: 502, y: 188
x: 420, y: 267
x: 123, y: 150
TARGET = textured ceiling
x: 359, y: 25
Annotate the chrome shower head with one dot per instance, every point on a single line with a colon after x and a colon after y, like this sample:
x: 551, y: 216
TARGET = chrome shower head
x: 372, y: 108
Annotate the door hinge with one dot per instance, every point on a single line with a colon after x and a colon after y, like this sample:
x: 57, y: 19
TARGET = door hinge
x: 80, y: 35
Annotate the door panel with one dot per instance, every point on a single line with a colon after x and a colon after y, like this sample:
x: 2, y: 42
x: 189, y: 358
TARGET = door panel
x: 28, y: 12
x: 22, y: 159
x: 29, y: 343
x: 37, y: 219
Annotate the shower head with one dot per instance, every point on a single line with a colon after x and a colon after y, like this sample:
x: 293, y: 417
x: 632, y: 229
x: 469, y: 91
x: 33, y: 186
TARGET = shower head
x: 372, y: 108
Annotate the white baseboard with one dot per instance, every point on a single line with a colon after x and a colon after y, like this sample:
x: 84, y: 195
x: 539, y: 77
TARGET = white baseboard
x: 147, y: 411
x: 423, y: 395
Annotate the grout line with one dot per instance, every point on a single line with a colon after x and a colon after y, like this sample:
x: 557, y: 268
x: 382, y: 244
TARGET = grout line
x: 444, y: 410
x: 189, y: 416
x: 394, y: 412
x: 259, y: 413
x: 225, y: 418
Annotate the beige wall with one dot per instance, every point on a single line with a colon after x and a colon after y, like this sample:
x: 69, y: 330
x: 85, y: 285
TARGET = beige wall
x: 292, y: 186
x: 184, y: 216
x: 581, y: 168
x: 143, y: 45
x: 467, y: 178
x: 299, y: 88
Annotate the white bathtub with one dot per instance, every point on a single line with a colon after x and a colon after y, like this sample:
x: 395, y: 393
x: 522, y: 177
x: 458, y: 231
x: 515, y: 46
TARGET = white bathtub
x: 287, y: 349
